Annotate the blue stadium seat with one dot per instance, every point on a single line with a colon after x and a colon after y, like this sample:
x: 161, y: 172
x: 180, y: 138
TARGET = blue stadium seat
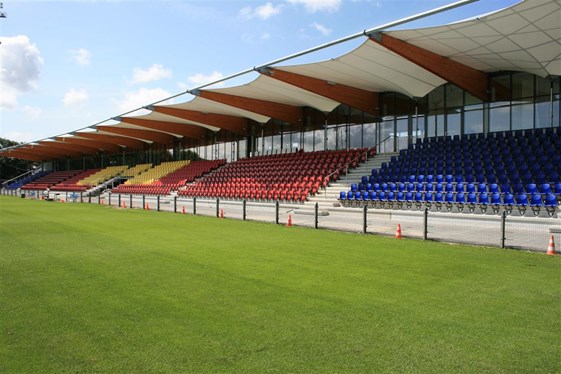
x: 483, y: 198
x: 550, y: 200
x: 531, y: 188
x: 536, y: 200
x: 482, y: 188
x: 508, y: 199
x: 449, y: 198
x: 342, y: 195
x: 496, y: 198
x: 545, y: 188
x: 522, y: 199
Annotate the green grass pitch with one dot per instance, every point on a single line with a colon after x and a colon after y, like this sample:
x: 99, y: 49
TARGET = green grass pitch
x: 89, y: 288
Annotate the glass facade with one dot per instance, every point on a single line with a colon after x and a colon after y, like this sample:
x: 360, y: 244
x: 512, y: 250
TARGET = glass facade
x: 519, y: 101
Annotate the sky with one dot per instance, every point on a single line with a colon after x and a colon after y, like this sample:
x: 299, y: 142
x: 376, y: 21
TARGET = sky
x: 67, y: 65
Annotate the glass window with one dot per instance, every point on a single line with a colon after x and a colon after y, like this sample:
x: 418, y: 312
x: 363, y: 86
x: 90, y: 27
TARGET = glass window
x: 331, y: 137
x: 242, y: 147
x: 431, y: 126
x: 543, y: 86
x: 500, y: 88
x: 436, y: 99
x: 522, y: 85
x: 342, y: 137
x: 454, y: 122
x: 543, y: 114
x: 454, y: 96
x: 499, y: 119
x: 356, y: 136
x: 523, y: 116
x: 386, y: 136
x: 402, y: 133
x: 318, y: 140
x: 308, y: 141
x: 473, y: 122
x: 369, y: 131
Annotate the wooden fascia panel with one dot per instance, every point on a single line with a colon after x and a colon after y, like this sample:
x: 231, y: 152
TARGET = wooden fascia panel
x: 190, y: 131
x: 357, y: 98
x: 76, y: 149
x: 26, y: 155
x: 116, y: 139
x: 222, y: 121
x: 154, y: 136
x: 108, y: 147
x: 470, y: 80
x: 283, y: 112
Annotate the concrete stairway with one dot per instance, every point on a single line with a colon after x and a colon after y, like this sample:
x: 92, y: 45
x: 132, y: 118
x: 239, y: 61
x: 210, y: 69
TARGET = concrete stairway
x: 326, y: 198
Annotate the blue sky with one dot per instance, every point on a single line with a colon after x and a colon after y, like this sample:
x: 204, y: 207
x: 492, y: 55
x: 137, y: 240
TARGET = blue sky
x: 66, y: 65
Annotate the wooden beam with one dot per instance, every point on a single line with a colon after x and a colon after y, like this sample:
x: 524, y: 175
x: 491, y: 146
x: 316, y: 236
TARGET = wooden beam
x: 222, y: 121
x: 357, y: 98
x: 470, y: 80
x: 186, y: 130
x: 102, y: 146
x: 19, y: 154
x: 155, y: 136
x: 114, y: 139
x: 78, y: 149
x: 283, y: 112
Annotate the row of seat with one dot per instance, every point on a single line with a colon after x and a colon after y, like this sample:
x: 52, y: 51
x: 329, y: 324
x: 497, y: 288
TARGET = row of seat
x: 495, y: 200
x: 530, y: 188
x: 291, y: 177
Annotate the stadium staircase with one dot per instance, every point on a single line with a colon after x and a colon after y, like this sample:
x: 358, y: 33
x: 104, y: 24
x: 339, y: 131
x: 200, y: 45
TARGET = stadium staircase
x: 327, y: 197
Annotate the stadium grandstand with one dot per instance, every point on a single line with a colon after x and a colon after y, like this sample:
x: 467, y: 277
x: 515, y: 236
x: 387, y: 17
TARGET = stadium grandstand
x: 463, y: 114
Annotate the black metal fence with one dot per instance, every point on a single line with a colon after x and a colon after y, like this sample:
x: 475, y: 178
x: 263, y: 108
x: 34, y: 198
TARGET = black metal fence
x: 485, y: 228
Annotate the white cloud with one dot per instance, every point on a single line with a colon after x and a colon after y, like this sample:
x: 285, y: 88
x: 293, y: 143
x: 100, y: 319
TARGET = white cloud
x: 264, y: 11
x: 153, y: 73
x: 200, y: 79
x: 20, y: 65
x: 266, y: 36
x: 321, y: 28
x: 81, y: 56
x: 75, y: 97
x: 142, y: 97
x: 314, y: 6
x: 19, y: 136
x: 32, y: 112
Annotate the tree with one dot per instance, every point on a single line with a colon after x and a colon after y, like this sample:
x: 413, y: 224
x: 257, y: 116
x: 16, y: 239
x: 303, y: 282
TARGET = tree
x: 12, y: 167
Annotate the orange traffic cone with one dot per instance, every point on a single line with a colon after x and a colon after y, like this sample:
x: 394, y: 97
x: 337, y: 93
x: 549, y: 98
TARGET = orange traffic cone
x: 289, y: 223
x: 147, y: 207
x: 62, y: 200
x: 398, y: 231
x: 551, y: 247
x: 102, y: 201
x: 221, y: 213
x: 123, y: 205
x: 183, y: 210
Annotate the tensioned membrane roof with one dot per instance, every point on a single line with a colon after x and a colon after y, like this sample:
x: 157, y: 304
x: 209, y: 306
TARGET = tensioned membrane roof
x: 525, y: 37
